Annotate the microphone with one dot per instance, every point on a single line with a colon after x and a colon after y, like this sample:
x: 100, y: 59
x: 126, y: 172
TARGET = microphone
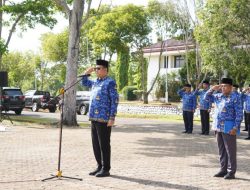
x: 83, y: 75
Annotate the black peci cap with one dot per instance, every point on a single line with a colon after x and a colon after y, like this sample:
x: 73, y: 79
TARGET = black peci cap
x: 187, y: 85
x: 205, y: 82
x: 226, y: 81
x: 104, y: 63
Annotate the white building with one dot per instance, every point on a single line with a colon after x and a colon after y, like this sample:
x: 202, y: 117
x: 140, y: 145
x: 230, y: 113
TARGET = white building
x: 172, y: 59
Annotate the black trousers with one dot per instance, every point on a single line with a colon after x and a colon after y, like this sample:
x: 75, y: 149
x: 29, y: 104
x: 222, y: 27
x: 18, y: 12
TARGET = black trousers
x: 100, y: 134
x: 188, y: 117
x: 246, y: 120
x: 204, y: 121
x: 227, y: 152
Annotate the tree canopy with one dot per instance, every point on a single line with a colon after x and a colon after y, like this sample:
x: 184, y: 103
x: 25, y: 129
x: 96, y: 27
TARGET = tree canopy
x: 224, y: 35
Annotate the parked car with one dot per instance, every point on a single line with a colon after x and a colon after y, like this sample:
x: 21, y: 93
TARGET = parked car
x: 82, y: 102
x: 12, y: 99
x: 37, y: 99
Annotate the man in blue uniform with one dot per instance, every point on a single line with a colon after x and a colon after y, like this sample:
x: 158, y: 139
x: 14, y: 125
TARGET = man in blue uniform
x: 205, y: 107
x: 246, y: 100
x: 188, y: 107
x: 227, y: 119
x: 102, y: 112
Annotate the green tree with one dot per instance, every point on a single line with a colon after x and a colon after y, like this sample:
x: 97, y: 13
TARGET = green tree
x: 20, y: 68
x: 122, y: 66
x: 54, y: 46
x: 24, y: 14
x: 224, y: 36
x: 118, y: 30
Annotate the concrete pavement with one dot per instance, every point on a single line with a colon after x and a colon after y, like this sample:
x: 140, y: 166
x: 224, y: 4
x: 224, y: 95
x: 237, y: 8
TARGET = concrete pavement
x: 146, y: 154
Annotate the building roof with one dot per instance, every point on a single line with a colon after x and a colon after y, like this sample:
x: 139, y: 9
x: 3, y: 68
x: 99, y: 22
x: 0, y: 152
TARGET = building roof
x: 169, y: 45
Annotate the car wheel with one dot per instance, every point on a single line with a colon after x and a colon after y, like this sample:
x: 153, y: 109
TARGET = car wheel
x: 18, y: 112
x: 83, y: 110
x: 34, y: 107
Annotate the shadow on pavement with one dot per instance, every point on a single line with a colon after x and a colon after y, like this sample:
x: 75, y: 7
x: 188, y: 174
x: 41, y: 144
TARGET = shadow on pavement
x: 155, y: 183
x: 182, y: 145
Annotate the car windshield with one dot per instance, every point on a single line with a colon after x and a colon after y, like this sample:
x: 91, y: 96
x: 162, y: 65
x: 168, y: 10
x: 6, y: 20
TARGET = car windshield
x: 12, y: 92
x: 42, y: 93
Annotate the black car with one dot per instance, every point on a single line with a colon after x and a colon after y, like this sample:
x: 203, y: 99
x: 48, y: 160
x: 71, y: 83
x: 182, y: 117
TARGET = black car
x: 12, y: 99
x: 37, y: 99
x: 82, y: 102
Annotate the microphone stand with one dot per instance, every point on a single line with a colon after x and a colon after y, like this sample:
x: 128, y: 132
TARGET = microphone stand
x: 59, y: 171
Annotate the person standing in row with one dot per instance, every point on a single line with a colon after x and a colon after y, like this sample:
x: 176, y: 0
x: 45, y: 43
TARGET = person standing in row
x: 227, y: 119
x: 246, y: 110
x: 205, y: 107
x: 246, y: 100
x: 188, y: 107
x: 102, y: 112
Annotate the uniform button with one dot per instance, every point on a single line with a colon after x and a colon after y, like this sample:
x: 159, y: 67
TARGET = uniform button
x: 96, y: 111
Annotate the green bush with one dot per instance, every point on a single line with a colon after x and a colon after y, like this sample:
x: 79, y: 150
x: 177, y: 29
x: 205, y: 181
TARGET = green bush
x: 128, y: 93
x: 138, y: 94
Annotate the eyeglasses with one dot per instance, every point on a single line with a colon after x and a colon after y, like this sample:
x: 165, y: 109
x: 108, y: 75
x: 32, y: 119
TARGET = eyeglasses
x: 97, y: 68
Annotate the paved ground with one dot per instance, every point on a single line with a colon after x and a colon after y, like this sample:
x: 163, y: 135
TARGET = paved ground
x: 146, y: 154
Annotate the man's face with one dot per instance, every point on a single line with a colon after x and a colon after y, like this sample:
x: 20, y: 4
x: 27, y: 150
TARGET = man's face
x: 205, y: 85
x: 226, y: 89
x: 188, y: 89
x: 101, y: 71
x: 235, y: 89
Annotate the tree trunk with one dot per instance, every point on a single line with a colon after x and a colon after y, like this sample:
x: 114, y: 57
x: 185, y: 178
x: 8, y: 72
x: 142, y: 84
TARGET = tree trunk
x: 75, y: 22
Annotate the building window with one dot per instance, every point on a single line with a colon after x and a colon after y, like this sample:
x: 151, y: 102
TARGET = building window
x: 179, y: 61
x: 165, y: 62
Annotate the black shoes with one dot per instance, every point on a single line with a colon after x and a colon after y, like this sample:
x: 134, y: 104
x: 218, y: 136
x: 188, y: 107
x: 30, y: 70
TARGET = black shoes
x: 248, y: 138
x: 225, y: 175
x: 95, y: 171
x: 188, y: 132
x: 245, y: 130
x: 220, y: 174
x: 102, y: 173
x: 229, y: 176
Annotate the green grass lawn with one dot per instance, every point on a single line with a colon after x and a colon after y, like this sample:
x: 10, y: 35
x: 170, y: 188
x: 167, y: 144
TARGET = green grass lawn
x: 171, y: 118
x: 30, y: 121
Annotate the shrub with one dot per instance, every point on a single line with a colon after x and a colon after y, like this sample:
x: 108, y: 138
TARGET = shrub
x: 138, y: 94
x: 128, y: 93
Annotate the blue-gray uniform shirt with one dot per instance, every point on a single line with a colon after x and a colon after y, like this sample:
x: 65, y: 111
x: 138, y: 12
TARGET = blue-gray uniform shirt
x: 246, y: 100
x: 188, y: 100
x: 236, y: 93
x: 228, y: 112
x: 104, y: 99
x: 205, y: 104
